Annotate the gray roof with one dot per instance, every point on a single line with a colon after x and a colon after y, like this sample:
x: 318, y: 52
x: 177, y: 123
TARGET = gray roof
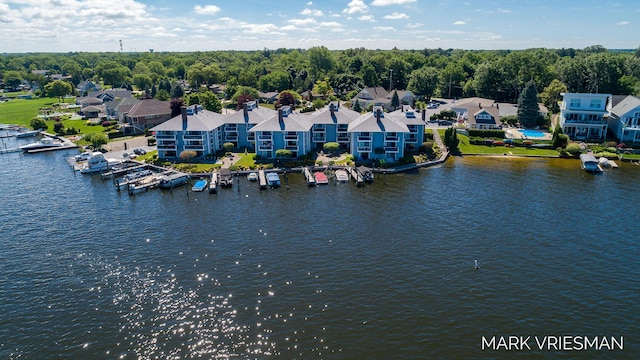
x: 340, y: 115
x: 204, y: 120
x: 148, y: 107
x: 292, y: 122
x: 368, y: 123
x: 629, y: 103
x: 254, y: 116
x: 407, y: 115
x: 473, y: 111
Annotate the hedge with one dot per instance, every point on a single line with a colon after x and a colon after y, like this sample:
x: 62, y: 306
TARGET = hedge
x: 487, y: 133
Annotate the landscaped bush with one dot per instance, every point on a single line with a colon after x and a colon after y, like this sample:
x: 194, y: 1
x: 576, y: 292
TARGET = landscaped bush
x: 331, y: 146
x: 283, y: 153
x: 233, y: 168
x: 487, y: 133
x: 574, y: 149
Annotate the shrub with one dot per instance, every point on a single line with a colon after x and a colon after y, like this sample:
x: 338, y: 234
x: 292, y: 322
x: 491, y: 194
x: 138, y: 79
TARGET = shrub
x: 378, y: 151
x: 106, y: 123
x: 227, y: 146
x: 283, y: 153
x: 233, y: 168
x: 487, y: 133
x: 331, y: 146
x: 58, y: 127
x: 574, y: 149
x: 319, y: 162
x: 38, y: 123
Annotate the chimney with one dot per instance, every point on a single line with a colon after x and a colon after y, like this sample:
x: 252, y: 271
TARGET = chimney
x: 331, y: 108
x: 183, y: 111
x: 378, y: 114
x: 196, y: 108
x: 424, y: 114
x: 245, y: 110
x: 480, y: 105
x: 280, y: 116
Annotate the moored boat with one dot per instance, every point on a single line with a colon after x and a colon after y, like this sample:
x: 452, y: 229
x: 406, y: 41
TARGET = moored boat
x: 225, y: 178
x: 199, y: 186
x: 98, y: 162
x: 25, y: 134
x: 273, y: 179
x: 173, y: 180
x: 252, y: 176
x: 366, y: 173
x: 321, y: 178
x: 342, y: 175
x: 589, y: 163
x: 44, y: 143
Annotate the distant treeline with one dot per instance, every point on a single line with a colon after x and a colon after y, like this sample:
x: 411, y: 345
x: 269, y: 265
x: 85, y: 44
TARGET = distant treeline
x: 496, y: 74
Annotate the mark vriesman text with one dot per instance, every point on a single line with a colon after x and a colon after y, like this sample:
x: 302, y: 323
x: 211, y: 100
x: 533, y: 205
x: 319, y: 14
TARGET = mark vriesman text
x: 553, y: 343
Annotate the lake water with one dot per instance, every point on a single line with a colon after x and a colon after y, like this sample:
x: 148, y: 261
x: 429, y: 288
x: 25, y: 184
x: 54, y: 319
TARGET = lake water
x: 380, y: 272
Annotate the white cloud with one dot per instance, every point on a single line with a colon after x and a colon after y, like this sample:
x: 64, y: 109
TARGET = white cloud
x: 310, y: 3
x: 206, y: 10
x: 459, y: 23
x: 385, y: 28
x: 303, y: 22
x: 623, y: 23
x: 356, y: 6
x: 504, y: 11
x: 311, y: 12
x: 391, y: 2
x: 366, y: 18
x: 414, y: 25
x: 396, y: 16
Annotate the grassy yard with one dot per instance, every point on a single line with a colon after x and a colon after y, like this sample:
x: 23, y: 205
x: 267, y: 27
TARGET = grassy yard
x: 470, y: 149
x: 246, y: 160
x: 21, y: 111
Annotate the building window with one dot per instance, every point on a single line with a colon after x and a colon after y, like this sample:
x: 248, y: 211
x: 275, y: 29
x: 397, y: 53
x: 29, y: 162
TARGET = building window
x: 595, y: 104
x: 575, y: 103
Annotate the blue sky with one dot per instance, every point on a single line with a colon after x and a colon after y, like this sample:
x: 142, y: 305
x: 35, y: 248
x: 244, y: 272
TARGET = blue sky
x: 195, y: 25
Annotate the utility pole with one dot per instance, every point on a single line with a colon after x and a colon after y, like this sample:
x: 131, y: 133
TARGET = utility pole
x: 390, y: 77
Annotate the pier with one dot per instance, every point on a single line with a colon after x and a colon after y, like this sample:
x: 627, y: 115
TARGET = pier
x: 262, y: 179
x: 356, y: 176
x: 213, y: 184
x: 308, y: 176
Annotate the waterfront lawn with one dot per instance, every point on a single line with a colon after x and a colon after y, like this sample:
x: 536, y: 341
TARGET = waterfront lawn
x: 21, y: 111
x: 470, y: 149
x: 247, y: 160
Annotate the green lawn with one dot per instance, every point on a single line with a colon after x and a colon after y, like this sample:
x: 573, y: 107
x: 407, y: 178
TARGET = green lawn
x: 469, y: 149
x: 21, y: 111
x: 246, y: 160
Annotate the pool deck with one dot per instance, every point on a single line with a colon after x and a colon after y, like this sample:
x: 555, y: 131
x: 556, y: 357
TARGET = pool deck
x: 513, y: 133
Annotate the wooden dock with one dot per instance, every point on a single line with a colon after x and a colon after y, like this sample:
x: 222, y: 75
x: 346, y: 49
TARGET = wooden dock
x: 308, y: 176
x: 213, y: 184
x: 262, y: 179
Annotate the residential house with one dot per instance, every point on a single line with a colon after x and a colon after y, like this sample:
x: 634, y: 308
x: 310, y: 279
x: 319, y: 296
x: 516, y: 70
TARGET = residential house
x: 94, y: 111
x: 268, y: 97
x: 148, y: 113
x: 194, y: 129
x: 111, y: 94
x: 483, y: 118
x: 378, y: 96
x: 87, y: 85
x: 331, y: 124
x: 624, y: 119
x: 284, y: 130
x: 584, y: 116
x: 237, y: 125
x: 120, y: 107
x: 88, y: 101
x: 415, y: 124
x: 375, y: 135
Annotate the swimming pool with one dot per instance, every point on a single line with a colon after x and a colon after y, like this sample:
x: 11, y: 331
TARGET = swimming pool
x: 532, y: 133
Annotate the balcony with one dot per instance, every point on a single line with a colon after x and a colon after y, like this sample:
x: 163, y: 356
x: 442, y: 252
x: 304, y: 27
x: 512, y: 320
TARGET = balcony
x: 391, y: 149
x: 166, y: 137
x: 391, y: 138
x: 265, y: 137
x: 364, y: 138
x: 289, y: 137
x: 292, y: 147
x: 362, y: 149
x: 193, y: 137
x: 166, y: 147
x: 265, y: 148
x: 343, y: 139
x: 194, y: 147
x: 319, y: 138
x: 231, y: 137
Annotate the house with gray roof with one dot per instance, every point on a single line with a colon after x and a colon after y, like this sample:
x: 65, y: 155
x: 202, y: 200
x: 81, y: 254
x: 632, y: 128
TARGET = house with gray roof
x: 147, y: 113
x: 624, y: 118
x: 483, y: 118
x: 284, y: 130
x: 331, y: 124
x: 194, y: 129
x: 378, y: 96
x: 237, y: 125
x: 376, y: 135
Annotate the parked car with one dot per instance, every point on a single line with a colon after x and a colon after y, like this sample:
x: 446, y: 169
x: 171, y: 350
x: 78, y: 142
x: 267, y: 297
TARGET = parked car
x: 139, y: 151
x: 84, y: 156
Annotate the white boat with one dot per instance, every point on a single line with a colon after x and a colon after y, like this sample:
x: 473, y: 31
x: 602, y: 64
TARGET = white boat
x: 98, y: 162
x: 138, y: 175
x: 25, y: 134
x: 145, y: 183
x: 604, y: 162
x: 589, y: 163
x: 173, y: 180
x: 225, y: 178
x: 342, y: 176
x: 44, y: 143
x: 252, y: 176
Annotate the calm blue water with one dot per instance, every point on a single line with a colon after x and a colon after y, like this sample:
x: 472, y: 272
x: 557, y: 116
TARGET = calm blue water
x: 381, y: 272
x: 531, y: 133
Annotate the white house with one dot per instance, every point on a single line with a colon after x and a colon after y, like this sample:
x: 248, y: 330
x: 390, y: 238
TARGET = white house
x: 584, y: 116
x: 624, y: 118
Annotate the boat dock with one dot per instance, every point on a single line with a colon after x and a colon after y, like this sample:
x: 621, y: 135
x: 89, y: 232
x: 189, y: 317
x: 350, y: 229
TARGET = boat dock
x: 308, y: 176
x: 213, y: 184
x: 356, y: 176
x: 262, y: 179
x: 143, y: 184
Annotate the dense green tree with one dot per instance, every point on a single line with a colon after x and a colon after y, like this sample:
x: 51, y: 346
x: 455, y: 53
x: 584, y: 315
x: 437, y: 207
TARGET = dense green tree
x: 142, y: 81
x: 38, y: 123
x: 424, y: 81
x: 490, y: 80
x: 559, y: 139
x: 275, y: 81
x: 12, y: 78
x: 245, y: 90
x: 395, y: 101
x: 206, y: 98
x: 96, y: 139
x: 321, y: 61
x: 287, y: 98
x: 112, y: 73
x: 551, y: 95
x: 187, y: 156
x: 163, y: 95
x: 528, y: 109
x: 451, y: 140
x: 177, y: 91
x: 357, y: 107
x: 58, y: 88
x: 322, y: 88
x: 369, y: 76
